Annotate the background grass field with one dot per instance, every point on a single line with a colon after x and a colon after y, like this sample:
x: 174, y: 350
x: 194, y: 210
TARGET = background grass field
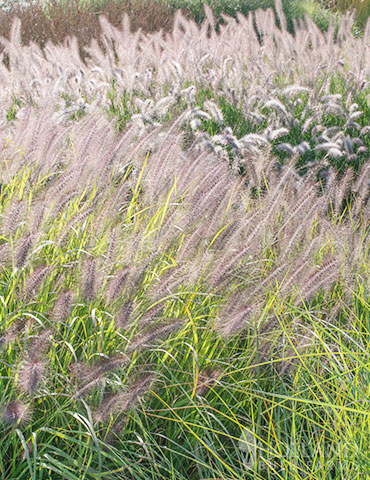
x: 55, y: 19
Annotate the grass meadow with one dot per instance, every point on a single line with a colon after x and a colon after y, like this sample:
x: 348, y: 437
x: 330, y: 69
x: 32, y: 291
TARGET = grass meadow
x: 184, y: 245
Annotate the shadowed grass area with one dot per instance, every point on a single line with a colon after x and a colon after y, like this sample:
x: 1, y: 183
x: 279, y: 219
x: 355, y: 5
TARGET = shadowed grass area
x: 56, y: 20
x: 78, y: 19
x: 362, y: 8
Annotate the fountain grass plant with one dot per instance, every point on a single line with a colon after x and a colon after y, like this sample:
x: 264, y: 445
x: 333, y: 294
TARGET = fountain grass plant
x: 183, y: 293
x: 264, y: 366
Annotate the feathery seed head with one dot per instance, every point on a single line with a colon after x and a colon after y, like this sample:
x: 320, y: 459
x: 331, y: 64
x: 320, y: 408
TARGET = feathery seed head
x: 30, y: 375
x: 89, y: 280
x: 16, y: 413
x: 63, y: 306
x: 206, y: 380
x: 121, y: 402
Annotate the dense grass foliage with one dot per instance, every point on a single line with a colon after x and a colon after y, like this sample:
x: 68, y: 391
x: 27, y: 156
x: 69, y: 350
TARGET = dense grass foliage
x: 184, y: 253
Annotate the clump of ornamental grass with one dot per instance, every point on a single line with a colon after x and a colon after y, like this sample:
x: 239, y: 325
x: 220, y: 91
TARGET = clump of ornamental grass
x: 144, y: 250
x: 208, y: 267
x: 148, y: 226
